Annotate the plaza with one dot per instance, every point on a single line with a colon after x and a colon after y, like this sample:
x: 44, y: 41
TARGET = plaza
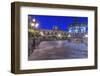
x: 49, y: 50
x: 49, y: 44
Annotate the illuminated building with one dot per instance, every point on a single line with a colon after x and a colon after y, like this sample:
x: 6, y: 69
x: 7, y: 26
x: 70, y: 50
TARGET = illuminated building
x: 77, y: 29
x: 55, y: 33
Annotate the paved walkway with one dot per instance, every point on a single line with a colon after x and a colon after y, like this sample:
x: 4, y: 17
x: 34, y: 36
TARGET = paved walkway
x: 48, y: 50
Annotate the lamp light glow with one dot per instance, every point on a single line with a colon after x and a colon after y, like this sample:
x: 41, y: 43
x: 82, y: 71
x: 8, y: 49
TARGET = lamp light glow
x: 32, y: 24
x: 36, y: 25
x: 59, y: 35
x: 34, y: 20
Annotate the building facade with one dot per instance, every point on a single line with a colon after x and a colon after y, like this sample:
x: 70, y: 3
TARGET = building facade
x: 77, y: 29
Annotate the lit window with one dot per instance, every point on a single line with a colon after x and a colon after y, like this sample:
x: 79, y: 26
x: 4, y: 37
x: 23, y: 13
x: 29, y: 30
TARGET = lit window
x: 70, y: 30
x: 76, y: 30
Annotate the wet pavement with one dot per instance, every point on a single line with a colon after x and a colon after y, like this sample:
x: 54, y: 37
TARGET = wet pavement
x: 49, y: 50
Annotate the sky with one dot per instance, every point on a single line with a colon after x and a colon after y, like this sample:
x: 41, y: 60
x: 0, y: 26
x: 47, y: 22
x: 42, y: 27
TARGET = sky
x: 48, y: 21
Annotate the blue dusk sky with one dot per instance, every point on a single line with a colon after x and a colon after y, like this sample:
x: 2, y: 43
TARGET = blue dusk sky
x: 48, y: 21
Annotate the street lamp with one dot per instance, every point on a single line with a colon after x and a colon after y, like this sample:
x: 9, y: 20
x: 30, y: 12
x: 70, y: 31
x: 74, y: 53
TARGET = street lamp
x: 34, y: 20
x: 34, y: 24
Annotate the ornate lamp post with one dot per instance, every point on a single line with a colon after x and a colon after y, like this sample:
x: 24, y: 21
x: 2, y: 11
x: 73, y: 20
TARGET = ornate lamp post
x: 34, y: 24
